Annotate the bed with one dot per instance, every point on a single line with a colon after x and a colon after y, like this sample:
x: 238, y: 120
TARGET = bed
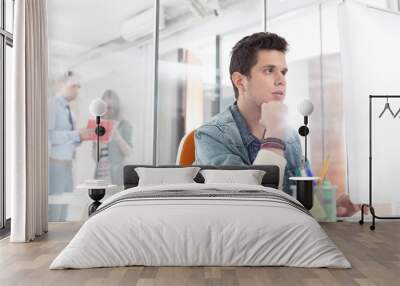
x: 198, y: 224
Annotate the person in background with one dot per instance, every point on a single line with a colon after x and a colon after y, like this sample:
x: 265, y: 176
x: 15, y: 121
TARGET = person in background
x: 64, y: 137
x: 119, y: 147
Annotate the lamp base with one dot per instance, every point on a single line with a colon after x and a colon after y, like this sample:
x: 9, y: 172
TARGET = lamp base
x: 96, y: 195
x: 304, y: 193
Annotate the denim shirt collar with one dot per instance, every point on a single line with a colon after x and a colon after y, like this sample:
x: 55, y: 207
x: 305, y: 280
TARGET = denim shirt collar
x: 241, y: 123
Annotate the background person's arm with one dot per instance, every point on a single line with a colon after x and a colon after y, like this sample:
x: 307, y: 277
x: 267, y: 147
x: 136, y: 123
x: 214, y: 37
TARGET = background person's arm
x: 122, y: 135
x: 58, y: 137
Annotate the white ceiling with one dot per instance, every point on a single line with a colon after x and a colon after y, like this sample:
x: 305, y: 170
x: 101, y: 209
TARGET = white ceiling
x: 79, y: 28
x: 86, y: 24
x: 89, y: 23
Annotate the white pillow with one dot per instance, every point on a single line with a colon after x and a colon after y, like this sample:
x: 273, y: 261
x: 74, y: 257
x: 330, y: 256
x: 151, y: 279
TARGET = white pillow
x: 248, y: 177
x: 163, y: 176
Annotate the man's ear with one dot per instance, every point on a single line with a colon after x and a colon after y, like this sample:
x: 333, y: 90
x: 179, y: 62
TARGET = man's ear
x: 240, y: 81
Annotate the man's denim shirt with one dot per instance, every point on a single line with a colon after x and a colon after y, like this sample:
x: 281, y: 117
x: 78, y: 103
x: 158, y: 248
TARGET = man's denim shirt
x: 227, y: 140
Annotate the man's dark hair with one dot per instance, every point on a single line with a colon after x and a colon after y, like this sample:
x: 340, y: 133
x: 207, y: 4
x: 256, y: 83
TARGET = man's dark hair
x: 244, y: 53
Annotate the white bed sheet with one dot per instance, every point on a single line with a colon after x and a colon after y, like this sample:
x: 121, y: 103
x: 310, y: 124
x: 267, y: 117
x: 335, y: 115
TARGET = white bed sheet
x: 206, y: 231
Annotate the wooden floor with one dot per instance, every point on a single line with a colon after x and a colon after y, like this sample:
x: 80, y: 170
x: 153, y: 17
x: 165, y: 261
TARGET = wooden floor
x: 374, y: 255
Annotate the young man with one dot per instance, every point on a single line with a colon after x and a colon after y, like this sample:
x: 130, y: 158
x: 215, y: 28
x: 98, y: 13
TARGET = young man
x: 253, y: 130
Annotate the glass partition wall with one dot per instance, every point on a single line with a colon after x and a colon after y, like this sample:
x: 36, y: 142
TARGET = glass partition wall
x: 107, y: 49
x: 98, y: 49
x: 194, y: 51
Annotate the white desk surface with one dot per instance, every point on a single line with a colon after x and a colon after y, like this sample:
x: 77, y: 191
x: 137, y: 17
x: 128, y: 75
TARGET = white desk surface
x: 304, y: 178
x: 93, y: 187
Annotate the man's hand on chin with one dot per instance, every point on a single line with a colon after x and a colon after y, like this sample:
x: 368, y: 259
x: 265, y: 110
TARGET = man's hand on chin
x: 273, y: 118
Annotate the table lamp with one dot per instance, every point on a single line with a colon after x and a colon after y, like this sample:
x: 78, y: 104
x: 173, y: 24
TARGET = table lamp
x: 98, y: 108
x: 304, y: 190
x: 305, y: 108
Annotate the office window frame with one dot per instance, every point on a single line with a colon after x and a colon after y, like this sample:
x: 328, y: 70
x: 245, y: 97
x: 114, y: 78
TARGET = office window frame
x: 6, y: 39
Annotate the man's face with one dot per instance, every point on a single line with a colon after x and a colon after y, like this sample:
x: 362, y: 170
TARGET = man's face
x: 267, y: 78
x: 71, y: 91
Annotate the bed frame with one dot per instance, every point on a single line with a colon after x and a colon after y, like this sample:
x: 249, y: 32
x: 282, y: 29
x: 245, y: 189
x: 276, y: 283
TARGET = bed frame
x: 270, y: 179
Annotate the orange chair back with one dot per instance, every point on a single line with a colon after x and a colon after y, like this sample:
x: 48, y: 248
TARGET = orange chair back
x: 186, y: 152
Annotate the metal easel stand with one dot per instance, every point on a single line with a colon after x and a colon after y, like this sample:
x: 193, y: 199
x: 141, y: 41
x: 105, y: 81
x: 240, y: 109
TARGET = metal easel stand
x: 371, y: 208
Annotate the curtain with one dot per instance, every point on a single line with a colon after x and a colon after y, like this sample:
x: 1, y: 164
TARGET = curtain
x: 28, y: 122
